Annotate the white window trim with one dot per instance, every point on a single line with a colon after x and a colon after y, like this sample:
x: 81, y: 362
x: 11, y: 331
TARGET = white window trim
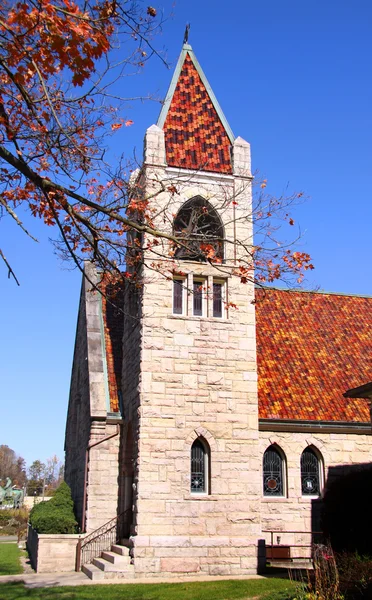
x: 184, y: 296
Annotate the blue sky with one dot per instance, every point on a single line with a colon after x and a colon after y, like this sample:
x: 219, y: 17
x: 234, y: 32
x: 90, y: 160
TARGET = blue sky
x: 293, y: 79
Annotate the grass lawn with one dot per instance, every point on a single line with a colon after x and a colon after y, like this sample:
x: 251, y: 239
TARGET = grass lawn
x: 9, y: 559
x: 210, y: 590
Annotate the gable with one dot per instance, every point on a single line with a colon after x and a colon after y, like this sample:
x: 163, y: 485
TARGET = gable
x: 311, y: 348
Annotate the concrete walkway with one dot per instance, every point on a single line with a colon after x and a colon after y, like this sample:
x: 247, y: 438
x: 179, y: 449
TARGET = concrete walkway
x: 36, y: 580
x: 8, y: 538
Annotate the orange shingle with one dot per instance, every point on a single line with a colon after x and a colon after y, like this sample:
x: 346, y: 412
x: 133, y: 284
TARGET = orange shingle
x: 311, y: 348
x: 195, y: 137
x: 113, y: 323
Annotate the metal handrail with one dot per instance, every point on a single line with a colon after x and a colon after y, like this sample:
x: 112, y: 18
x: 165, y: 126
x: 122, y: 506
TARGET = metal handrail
x: 102, y: 538
x: 281, y: 533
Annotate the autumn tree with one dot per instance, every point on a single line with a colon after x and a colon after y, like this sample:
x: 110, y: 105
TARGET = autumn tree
x: 58, y: 111
x: 12, y: 466
x: 44, y: 477
x: 36, y: 478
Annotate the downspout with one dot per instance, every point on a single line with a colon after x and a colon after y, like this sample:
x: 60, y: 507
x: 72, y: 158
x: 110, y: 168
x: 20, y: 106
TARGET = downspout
x: 90, y: 446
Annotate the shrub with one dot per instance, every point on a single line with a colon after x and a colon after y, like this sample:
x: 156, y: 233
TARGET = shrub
x: 355, y: 574
x: 56, y: 515
x: 14, y: 521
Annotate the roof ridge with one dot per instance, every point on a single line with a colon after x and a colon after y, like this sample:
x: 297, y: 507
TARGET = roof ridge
x: 322, y: 292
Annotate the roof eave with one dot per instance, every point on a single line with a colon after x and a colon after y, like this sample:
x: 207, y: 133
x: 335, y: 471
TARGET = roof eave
x: 313, y: 426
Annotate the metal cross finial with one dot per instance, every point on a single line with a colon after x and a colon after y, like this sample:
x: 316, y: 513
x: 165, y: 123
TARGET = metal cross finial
x: 186, y: 36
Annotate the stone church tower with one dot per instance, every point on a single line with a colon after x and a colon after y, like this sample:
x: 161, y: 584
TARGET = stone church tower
x: 189, y: 362
x: 171, y: 437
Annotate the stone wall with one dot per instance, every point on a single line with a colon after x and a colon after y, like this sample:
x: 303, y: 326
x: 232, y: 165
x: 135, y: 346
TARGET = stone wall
x: 295, y: 512
x: 30, y: 501
x: 52, y: 553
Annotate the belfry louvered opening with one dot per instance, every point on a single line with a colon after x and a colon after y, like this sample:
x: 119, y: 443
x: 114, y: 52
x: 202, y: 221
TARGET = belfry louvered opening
x: 199, y: 230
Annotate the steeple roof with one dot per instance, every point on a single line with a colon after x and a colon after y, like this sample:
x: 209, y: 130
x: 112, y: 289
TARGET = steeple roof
x: 197, y: 135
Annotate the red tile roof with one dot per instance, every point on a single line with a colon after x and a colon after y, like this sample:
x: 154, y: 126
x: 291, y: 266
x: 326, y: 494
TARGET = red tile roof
x: 113, y: 323
x: 311, y: 348
x: 195, y: 137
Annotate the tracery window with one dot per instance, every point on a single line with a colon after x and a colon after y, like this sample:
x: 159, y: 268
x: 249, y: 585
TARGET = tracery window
x: 199, y: 229
x: 273, y: 472
x: 310, y: 473
x: 199, y: 468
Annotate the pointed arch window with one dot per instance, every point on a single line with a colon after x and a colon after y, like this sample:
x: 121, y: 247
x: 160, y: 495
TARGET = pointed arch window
x: 200, y: 231
x: 311, y: 473
x: 200, y: 465
x: 273, y: 472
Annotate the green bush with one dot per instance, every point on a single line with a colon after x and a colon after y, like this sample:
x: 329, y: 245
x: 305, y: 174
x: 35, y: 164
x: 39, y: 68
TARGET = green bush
x: 55, y: 515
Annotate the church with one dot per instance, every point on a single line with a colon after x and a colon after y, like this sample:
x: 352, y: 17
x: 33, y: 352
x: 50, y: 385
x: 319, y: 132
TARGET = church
x: 195, y: 431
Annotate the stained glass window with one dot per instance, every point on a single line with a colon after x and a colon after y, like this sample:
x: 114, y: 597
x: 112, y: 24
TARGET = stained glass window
x: 199, y: 468
x: 310, y: 473
x: 273, y: 473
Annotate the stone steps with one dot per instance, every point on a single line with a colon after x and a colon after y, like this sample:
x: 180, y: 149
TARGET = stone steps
x: 114, y: 564
x: 291, y: 564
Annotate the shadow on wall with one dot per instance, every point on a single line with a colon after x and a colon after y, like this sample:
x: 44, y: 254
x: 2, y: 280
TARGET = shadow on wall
x: 346, y: 508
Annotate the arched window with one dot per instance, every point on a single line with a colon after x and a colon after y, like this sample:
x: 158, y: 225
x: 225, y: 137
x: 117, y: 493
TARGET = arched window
x: 199, y: 467
x: 311, y: 473
x: 200, y: 230
x: 273, y: 472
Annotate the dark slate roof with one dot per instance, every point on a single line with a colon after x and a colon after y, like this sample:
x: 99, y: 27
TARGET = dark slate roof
x: 312, y: 348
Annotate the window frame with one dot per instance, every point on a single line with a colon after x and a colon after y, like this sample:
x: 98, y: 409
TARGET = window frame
x: 206, y: 467
x: 183, y: 281
x: 283, y: 473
